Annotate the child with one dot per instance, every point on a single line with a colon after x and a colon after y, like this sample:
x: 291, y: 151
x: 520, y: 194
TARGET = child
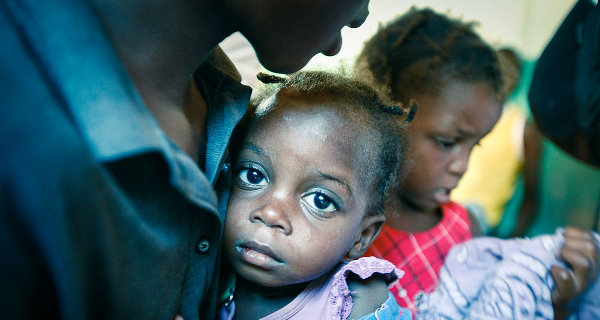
x: 311, y: 172
x: 485, y: 191
x: 454, y: 77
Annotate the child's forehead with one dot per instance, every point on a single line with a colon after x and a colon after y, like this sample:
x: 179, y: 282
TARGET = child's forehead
x: 312, y: 108
x: 312, y: 119
x: 452, y: 94
x: 332, y: 127
x: 466, y: 108
x: 339, y: 129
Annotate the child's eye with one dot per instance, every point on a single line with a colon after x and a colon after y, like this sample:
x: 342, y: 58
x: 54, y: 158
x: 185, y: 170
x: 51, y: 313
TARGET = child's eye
x: 252, y: 178
x: 320, y: 203
x: 445, y: 143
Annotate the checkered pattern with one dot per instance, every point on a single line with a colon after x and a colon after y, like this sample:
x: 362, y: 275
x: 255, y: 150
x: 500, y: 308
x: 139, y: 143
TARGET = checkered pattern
x: 421, y: 255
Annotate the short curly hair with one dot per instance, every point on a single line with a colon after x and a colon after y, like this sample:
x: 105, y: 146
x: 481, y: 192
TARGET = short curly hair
x: 418, y: 52
x: 382, y: 139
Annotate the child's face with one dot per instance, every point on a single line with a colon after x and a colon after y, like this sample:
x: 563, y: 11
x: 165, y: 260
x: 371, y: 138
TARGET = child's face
x: 297, y: 206
x: 443, y: 133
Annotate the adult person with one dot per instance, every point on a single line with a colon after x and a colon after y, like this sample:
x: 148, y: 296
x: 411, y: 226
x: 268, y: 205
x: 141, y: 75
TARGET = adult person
x: 109, y: 175
x: 565, y: 90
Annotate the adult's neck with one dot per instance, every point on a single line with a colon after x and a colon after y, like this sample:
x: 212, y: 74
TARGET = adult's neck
x: 161, y: 42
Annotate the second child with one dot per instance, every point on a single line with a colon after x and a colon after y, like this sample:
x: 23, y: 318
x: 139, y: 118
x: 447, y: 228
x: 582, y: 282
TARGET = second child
x: 455, y: 79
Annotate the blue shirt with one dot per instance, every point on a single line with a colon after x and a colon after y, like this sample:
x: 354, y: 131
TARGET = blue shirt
x: 102, y: 216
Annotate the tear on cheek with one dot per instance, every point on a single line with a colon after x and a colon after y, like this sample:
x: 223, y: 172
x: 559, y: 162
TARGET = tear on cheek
x: 308, y: 236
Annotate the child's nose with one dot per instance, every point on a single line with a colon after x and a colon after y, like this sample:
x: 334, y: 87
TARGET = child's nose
x: 459, y: 164
x: 273, y: 214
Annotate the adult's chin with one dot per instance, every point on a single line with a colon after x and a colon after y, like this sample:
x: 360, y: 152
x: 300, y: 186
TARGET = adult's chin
x: 335, y: 48
x: 284, y: 60
x: 284, y: 67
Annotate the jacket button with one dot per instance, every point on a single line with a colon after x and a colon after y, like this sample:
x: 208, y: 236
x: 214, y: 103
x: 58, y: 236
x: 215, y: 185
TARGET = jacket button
x: 225, y: 167
x: 203, y: 246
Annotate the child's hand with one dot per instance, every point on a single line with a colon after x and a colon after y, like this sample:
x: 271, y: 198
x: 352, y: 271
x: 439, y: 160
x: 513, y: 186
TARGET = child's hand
x: 580, y: 253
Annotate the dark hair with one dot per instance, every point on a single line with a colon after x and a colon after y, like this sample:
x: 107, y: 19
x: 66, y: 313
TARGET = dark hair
x: 382, y: 138
x: 421, y: 50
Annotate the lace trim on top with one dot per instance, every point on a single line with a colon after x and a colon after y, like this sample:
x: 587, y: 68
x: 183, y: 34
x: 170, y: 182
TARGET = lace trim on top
x: 340, y: 299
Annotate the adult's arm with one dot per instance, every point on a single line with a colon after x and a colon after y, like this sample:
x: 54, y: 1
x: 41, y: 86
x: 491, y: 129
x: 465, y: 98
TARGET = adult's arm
x: 532, y: 145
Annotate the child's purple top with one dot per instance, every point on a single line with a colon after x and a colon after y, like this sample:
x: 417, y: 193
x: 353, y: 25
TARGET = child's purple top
x: 489, y: 278
x: 329, y: 298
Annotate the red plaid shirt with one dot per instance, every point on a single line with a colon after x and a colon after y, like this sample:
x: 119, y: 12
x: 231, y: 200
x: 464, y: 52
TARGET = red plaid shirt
x: 421, y: 255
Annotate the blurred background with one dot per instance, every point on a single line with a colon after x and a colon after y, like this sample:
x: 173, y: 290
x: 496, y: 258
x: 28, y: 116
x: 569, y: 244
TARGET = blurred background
x: 564, y: 190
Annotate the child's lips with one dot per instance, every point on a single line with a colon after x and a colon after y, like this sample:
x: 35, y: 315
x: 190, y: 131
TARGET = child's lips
x: 259, y: 255
x: 442, y: 195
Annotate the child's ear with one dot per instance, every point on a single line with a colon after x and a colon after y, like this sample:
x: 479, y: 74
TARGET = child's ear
x: 370, y: 227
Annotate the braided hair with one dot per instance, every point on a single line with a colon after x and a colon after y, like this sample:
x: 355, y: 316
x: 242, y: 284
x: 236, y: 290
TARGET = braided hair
x: 420, y: 51
x: 382, y: 138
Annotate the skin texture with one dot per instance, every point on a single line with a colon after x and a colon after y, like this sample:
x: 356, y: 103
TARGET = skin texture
x: 367, y: 295
x: 443, y: 134
x: 278, y: 236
